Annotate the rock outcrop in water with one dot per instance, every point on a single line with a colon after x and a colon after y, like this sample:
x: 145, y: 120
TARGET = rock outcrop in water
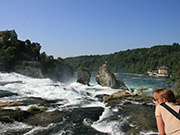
x: 117, y: 95
x: 106, y: 78
x: 83, y: 76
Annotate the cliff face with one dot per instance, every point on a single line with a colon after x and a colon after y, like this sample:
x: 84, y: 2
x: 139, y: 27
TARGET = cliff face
x: 31, y: 69
x: 34, y: 69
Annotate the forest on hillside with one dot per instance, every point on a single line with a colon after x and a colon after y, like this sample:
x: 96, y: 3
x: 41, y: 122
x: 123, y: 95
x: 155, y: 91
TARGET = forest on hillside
x: 135, y: 61
x: 131, y: 61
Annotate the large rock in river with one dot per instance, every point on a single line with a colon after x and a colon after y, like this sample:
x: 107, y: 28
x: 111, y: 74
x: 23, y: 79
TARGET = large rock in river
x: 106, y: 78
x: 83, y: 76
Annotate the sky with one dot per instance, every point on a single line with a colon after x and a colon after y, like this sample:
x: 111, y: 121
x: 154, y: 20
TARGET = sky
x: 69, y: 28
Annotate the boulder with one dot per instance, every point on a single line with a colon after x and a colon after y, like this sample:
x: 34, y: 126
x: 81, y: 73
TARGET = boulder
x: 106, y: 78
x: 83, y: 76
x: 142, y: 89
x: 116, y: 95
x: 8, y: 104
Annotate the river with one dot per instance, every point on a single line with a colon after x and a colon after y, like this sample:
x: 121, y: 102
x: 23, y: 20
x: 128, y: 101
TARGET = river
x: 74, y: 95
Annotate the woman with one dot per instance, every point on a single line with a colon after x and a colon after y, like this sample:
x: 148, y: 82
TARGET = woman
x: 167, y: 123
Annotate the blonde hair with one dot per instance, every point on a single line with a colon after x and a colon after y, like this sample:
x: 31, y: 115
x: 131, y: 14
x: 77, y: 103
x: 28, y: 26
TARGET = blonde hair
x: 165, y: 93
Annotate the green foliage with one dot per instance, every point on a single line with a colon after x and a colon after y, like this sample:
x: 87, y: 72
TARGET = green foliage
x: 13, y: 52
x: 27, y: 53
x: 18, y: 109
x: 131, y: 61
x: 36, y: 109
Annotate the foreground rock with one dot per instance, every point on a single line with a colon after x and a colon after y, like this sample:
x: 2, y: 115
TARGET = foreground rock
x: 106, y: 78
x: 116, y: 95
x: 8, y: 104
x: 141, y: 89
x: 69, y: 121
x: 135, y: 113
x: 131, y: 113
x: 83, y: 76
x: 9, y: 116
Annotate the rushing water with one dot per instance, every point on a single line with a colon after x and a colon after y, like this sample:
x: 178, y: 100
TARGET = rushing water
x: 74, y: 95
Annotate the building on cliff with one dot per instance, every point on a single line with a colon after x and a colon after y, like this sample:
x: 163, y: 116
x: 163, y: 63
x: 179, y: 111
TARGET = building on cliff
x: 13, y: 35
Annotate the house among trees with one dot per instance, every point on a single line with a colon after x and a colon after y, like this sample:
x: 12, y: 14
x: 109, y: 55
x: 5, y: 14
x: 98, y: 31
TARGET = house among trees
x: 12, y: 34
x: 162, y: 71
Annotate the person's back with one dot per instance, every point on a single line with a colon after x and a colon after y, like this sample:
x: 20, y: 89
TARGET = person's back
x: 167, y: 123
x: 172, y: 124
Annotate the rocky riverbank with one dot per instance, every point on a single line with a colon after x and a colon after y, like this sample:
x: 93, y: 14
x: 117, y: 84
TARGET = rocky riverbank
x: 137, y: 112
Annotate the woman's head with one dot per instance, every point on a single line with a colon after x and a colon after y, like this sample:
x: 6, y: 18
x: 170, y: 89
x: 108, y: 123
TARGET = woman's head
x: 164, y: 95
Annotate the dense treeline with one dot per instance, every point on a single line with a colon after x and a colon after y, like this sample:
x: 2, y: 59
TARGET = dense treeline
x: 135, y: 61
x: 16, y: 52
x: 12, y: 52
x: 132, y: 61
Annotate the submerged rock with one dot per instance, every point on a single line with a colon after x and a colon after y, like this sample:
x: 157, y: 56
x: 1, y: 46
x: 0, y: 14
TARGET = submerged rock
x: 106, y: 78
x: 7, y: 115
x: 7, y: 93
x: 83, y: 76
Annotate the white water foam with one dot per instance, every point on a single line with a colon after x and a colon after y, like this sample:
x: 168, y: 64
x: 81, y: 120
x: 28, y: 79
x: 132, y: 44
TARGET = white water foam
x: 40, y: 129
x: 148, y: 133
x: 74, y: 93
x: 101, y: 125
x: 12, y: 127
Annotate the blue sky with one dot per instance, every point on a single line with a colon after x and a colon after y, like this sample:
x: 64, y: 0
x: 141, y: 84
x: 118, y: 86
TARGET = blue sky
x: 67, y: 28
